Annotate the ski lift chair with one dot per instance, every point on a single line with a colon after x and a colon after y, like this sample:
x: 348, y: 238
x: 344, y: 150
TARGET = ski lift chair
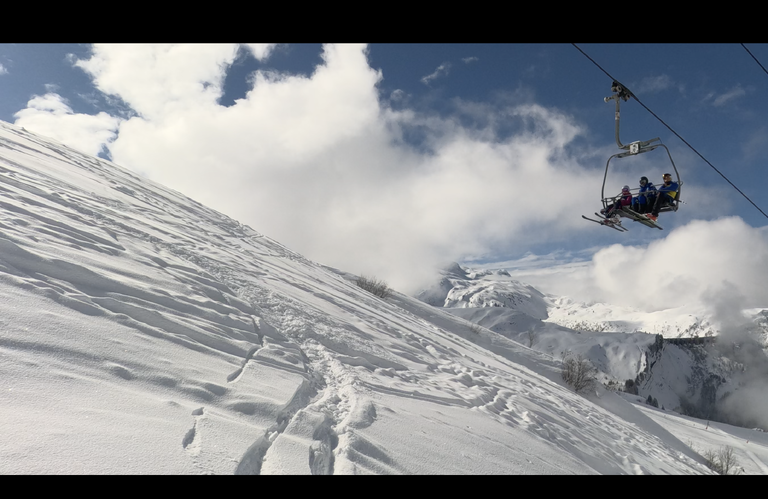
x: 632, y: 149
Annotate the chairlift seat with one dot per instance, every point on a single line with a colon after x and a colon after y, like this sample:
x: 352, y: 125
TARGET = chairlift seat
x: 675, y: 201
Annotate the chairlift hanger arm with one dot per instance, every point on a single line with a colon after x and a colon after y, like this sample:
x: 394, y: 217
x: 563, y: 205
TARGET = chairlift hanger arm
x: 619, y: 93
x: 637, y: 147
x: 602, y: 192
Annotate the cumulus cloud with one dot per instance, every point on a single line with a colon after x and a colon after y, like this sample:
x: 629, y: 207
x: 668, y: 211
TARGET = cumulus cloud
x: 160, y: 80
x: 442, y: 70
x: 3, y: 70
x: 50, y: 115
x: 714, y: 269
x: 323, y: 165
x: 720, y: 265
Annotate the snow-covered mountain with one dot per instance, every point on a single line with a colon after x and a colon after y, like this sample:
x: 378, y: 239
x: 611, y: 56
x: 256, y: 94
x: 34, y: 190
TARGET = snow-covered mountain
x: 141, y: 332
x: 674, y: 358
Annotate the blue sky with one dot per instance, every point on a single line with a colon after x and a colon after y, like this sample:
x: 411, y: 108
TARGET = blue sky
x: 335, y: 151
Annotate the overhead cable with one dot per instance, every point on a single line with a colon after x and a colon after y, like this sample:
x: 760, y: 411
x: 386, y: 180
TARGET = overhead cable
x: 755, y: 58
x: 674, y: 132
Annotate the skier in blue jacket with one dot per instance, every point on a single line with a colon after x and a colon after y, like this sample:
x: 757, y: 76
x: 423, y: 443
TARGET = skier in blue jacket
x: 666, y: 196
x: 646, y: 197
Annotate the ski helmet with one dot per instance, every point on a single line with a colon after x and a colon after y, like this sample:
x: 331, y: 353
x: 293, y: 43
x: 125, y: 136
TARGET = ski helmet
x: 625, y: 188
x: 643, y: 180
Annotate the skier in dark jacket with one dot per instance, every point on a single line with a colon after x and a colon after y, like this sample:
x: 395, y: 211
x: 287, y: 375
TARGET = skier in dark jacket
x: 666, y: 196
x: 643, y: 202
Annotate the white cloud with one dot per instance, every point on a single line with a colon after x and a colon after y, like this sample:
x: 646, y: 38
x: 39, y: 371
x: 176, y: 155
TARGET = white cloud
x: 160, y: 80
x: 714, y: 269
x: 653, y: 84
x: 694, y: 265
x: 320, y: 163
x: 468, y: 60
x: 730, y: 95
x: 3, y: 70
x: 397, y: 95
x: 51, y: 116
x: 260, y: 51
x: 442, y: 70
x: 89, y: 98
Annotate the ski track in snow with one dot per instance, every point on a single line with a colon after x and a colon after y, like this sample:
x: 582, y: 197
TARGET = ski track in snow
x: 285, y: 366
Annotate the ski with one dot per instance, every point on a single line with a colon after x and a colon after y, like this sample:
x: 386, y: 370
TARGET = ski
x: 610, y: 223
x: 607, y: 224
x: 648, y: 222
x: 642, y: 218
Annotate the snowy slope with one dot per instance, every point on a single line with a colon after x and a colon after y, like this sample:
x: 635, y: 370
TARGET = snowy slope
x: 141, y: 332
x: 711, y: 378
x: 493, y: 300
x: 588, y: 317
